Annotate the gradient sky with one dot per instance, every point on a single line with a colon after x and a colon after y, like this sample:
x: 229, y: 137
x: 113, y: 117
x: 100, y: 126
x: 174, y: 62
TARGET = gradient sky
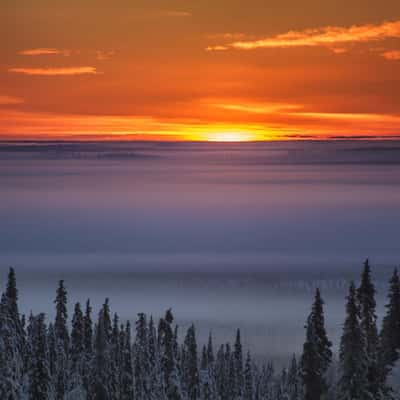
x: 199, y: 70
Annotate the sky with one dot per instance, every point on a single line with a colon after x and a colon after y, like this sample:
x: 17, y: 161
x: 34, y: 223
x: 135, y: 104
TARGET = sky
x: 199, y: 70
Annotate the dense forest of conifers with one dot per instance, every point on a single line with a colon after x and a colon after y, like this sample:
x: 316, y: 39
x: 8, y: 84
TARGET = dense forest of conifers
x: 101, y: 360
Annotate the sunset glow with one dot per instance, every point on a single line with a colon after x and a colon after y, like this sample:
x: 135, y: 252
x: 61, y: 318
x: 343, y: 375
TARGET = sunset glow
x: 189, y: 71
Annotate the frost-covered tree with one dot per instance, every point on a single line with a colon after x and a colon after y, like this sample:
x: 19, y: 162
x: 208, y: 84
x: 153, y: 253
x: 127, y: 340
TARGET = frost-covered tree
x: 353, y: 383
x: 77, y: 364
x: 100, y: 382
x: 248, y: 392
x: 367, y: 305
x: 87, y: 344
x: 157, y: 390
x: 13, y: 350
x: 293, y: 384
x: 39, y: 371
x: 171, y: 381
x: 317, y: 354
x: 390, y: 333
x: 141, y: 359
x: 62, y: 341
x: 126, y: 378
x: 238, y: 360
x: 190, y: 365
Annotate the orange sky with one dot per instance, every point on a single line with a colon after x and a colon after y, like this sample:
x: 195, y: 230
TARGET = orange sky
x: 199, y: 70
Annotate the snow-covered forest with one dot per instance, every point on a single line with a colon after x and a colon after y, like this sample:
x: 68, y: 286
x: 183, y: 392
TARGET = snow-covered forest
x: 96, y: 356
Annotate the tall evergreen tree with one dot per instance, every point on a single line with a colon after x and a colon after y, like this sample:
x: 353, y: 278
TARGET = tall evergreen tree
x: 141, y: 359
x: 52, y: 344
x: 115, y: 359
x: 353, y: 384
x: 12, y: 342
x: 12, y: 292
x: 77, y: 357
x: 39, y: 372
x: 155, y: 379
x: 62, y: 340
x: 168, y: 358
x: 127, y: 387
x: 210, y: 350
x: 88, y: 328
x: 367, y: 304
x: 293, y: 384
x: 87, y: 345
x: 238, y: 359
x: 248, y: 379
x: 390, y: 333
x: 100, y: 381
x: 190, y: 367
x: 60, y: 325
x: 220, y: 372
x: 317, y: 354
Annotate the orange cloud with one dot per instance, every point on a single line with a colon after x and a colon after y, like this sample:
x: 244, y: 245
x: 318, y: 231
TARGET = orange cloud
x: 104, y: 55
x: 217, y: 48
x: 42, y: 51
x: 64, y: 71
x: 257, y: 108
x: 10, y: 100
x: 392, y: 55
x: 176, y: 13
x: 327, y: 36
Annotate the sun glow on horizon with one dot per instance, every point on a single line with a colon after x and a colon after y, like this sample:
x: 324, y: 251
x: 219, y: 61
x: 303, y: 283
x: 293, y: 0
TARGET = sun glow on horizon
x: 229, y: 136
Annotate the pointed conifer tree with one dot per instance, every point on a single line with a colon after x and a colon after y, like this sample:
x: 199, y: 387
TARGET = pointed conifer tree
x: 248, y: 379
x: 353, y: 383
x: 238, y: 359
x: 317, y: 354
x: 39, y: 372
x: 190, y: 367
x: 390, y: 333
x: 367, y: 304
x: 77, y: 356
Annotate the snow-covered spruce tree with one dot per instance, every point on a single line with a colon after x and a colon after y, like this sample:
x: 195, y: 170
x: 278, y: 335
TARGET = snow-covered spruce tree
x: 52, y: 344
x: 367, y: 305
x: 238, y: 360
x: 141, y: 359
x: 62, y: 341
x: 12, y: 343
x: 157, y: 391
x: 115, y: 353
x: 87, y: 344
x: 281, y: 392
x: 317, y: 354
x: 293, y: 384
x: 353, y: 382
x: 264, y: 385
x: 100, y: 380
x: 231, y: 372
x: 248, y: 379
x: 390, y: 333
x: 171, y: 381
x: 220, y: 372
x: 208, y: 387
x: 11, y: 295
x: 190, y: 367
x: 40, y: 387
x: 107, y: 326
x: 210, y: 350
x: 75, y: 387
x: 126, y: 370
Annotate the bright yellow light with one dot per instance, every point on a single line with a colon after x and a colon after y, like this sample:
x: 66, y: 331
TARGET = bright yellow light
x: 229, y: 136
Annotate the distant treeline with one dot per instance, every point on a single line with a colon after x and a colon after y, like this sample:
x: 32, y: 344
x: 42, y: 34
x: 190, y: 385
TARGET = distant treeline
x: 42, y: 360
